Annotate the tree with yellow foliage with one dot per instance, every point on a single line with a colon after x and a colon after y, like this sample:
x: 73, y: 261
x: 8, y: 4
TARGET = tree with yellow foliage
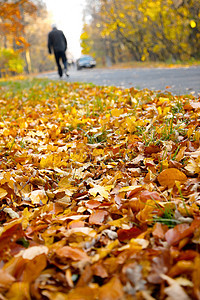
x: 145, y: 29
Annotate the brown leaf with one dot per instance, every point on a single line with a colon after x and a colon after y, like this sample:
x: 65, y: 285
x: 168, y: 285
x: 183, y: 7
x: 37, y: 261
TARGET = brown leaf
x: 127, y: 234
x: 151, y: 149
x: 169, y: 176
x: 11, y: 233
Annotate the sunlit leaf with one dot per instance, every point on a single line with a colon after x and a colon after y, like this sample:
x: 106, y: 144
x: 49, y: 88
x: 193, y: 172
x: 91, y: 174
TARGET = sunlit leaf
x: 34, y: 251
x: 3, y: 193
x: 111, y: 290
x: 169, y: 176
x: 38, y: 196
x: 99, y: 190
x: 98, y: 217
x: 73, y: 253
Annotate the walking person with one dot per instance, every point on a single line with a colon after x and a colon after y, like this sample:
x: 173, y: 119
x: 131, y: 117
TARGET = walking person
x: 58, y: 43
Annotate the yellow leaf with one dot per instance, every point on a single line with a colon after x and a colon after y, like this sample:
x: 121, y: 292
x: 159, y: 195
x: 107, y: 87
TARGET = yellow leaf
x: 117, y: 112
x: 145, y: 215
x: 38, y: 196
x: 118, y: 222
x: 97, y: 152
x: 26, y: 216
x: 46, y: 162
x: 3, y: 193
x: 130, y: 188
x: 193, y: 24
x: 159, y: 109
x: 19, y: 291
x: 98, y: 189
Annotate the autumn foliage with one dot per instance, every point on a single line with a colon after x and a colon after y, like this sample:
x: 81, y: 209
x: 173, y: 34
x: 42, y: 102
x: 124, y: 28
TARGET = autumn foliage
x: 99, y: 193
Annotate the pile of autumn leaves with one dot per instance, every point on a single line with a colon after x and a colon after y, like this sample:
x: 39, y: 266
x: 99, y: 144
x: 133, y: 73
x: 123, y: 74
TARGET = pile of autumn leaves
x: 99, y: 193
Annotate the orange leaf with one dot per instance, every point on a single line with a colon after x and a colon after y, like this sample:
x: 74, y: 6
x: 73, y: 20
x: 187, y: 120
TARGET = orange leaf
x: 75, y: 224
x: 73, y: 253
x: 34, y: 267
x: 159, y: 230
x: 82, y: 293
x: 5, y: 279
x: 147, y: 195
x: 92, y: 204
x: 99, y: 270
x: 181, y: 267
x: 179, y: 232
x: 113, y: 290
x: 169, y: 176
x: 98, y: 217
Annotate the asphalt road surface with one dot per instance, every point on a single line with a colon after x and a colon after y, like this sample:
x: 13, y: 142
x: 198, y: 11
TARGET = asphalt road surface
x: 178, y: 81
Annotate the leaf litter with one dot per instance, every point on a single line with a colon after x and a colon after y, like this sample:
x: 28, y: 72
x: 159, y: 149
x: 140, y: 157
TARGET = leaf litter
x: 99, y: 193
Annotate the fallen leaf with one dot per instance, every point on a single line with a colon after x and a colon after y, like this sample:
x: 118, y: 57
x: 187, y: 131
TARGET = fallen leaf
x: 34, y: 251
x: 179, y: 232
x: 127, y: 234
x: 174, y: 291
x: 3, y: 193
x: 73, y: 253
x: 6, y: 280
x: 113, y: 290
x: 38, y: 197
x: 98, y: 189
x: 169, y: 177
x: 98, y: 217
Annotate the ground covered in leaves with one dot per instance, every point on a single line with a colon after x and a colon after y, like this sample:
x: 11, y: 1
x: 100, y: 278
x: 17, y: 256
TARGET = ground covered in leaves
x: 99, y: 193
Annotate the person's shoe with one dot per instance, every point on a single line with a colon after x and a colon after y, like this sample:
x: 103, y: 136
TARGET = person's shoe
x: 66, y: 72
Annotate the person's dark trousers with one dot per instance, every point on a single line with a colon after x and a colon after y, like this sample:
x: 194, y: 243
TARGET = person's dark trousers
x: 58, y: 56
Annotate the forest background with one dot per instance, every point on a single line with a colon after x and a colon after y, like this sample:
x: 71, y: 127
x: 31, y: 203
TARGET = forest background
x: 114, y: 31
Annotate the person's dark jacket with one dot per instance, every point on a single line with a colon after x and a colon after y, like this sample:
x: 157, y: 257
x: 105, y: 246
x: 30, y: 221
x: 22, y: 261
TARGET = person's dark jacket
x: 56, y: 41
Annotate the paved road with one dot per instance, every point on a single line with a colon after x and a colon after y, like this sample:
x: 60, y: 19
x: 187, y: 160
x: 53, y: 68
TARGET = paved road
x: 180, y: 81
